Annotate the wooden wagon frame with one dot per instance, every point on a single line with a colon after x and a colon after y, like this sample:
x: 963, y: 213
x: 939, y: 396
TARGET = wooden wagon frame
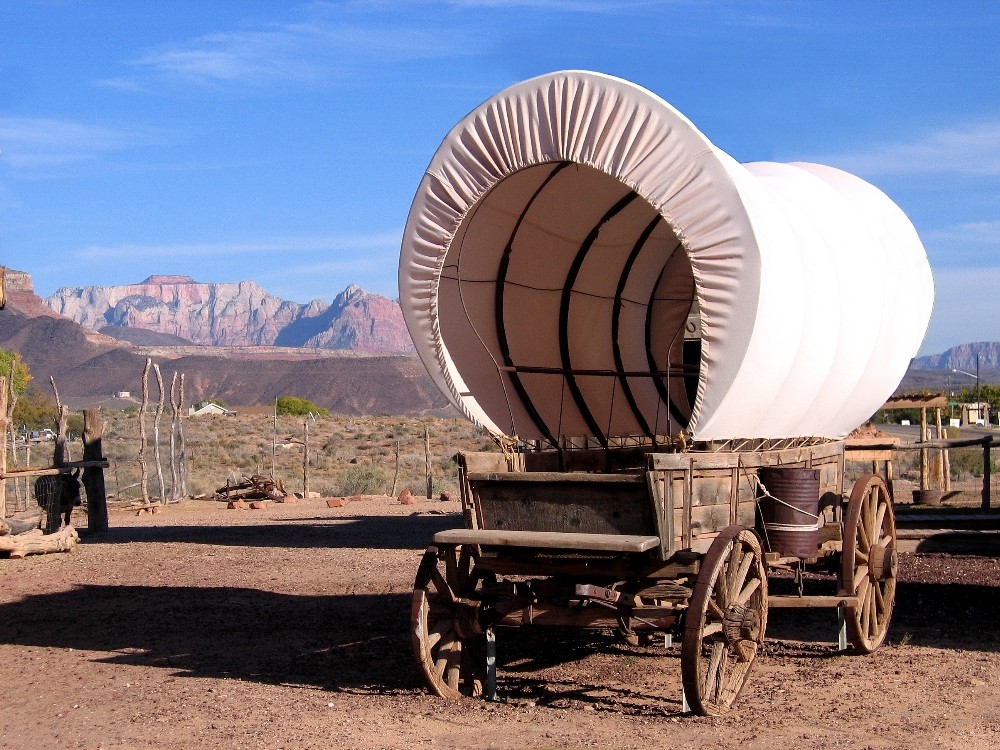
x: 667, y: 543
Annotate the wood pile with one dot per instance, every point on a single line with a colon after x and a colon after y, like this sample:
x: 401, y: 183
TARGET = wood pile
x: 256, y: 487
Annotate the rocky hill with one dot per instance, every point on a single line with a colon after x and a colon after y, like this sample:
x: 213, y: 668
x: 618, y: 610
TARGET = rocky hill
x: 235, y: 314
x: 89, y: 367
x: 962, y: 357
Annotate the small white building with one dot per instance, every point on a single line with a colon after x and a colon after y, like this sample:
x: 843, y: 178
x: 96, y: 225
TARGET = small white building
x: 209, y: 409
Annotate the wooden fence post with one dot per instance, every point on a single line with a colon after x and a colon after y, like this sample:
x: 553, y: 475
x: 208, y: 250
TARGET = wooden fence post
x: 987, y: 471
x: 93, y: 478
x: 156, y: 435
x: 143, y: 482
x: 175, y: 479
x: 427, y: 462
x: 3, y: 450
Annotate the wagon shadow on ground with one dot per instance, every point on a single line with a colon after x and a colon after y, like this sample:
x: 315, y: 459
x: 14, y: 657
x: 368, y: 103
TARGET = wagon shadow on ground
x: 935, y: 615
x: 339, y: 643
x: 359, y: 643
x: 380, y: 532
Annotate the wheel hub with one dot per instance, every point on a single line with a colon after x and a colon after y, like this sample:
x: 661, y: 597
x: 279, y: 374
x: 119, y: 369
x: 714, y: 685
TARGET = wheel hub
x: 882, y: 563
x: 466, y: 617
x: 740, y: 626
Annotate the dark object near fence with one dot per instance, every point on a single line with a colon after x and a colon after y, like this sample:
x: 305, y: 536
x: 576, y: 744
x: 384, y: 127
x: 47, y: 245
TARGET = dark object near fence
x: 57, y: 495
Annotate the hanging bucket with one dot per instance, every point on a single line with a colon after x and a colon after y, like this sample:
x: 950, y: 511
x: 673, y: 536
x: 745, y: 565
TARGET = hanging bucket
x: 788, y: 503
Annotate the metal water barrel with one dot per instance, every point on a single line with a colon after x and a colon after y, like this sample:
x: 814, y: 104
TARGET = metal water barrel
x: 788, y: 503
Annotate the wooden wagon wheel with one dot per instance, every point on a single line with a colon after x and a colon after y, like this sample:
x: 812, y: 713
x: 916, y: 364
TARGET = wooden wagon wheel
x: 725, y: 621
x: 869, y: 562
x: 448, y: 644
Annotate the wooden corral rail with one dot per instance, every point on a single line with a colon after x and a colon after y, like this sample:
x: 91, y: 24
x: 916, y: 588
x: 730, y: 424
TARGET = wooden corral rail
x: 92, y: 467
x: 67, y: 468
x: 875, y: 450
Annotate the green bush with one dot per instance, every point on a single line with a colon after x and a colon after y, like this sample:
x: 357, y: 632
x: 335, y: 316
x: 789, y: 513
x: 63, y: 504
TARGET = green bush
x: 363, y: 479
x: 298, y: 407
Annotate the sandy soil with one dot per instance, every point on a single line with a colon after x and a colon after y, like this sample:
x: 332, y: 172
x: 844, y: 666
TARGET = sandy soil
x: 209, y: 628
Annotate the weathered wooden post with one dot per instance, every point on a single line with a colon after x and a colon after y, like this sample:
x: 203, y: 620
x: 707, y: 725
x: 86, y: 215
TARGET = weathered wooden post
x: 143, y: 483
x: 175, y: 480
x: 182, y: 465
x: 93, y: 478
x: 3, y: 453
x: 924, y: 483
x: 395, y: 476
x: 156, y: 435
x: 427, y: 462
x: 53, y: 508
x: 987, y: 471
x: 305, y: 458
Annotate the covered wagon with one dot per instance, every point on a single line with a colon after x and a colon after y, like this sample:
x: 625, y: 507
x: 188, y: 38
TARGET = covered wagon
x: 669, y: 348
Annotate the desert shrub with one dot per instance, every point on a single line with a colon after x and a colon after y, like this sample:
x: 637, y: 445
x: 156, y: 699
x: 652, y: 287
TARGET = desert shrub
x: 298, y: 407
x: 363, y: 479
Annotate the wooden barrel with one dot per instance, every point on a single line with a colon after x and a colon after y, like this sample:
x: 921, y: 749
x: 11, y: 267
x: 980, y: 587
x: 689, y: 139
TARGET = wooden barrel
x: 788, y: 506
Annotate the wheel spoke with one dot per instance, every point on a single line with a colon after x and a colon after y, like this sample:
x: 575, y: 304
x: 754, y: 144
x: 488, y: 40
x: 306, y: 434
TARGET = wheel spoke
x: 863, y: 542
x: 712, y: 673
x: 860, y: 557
x: 442, y: 587
x: 741, y: 577
x: 859, y: 576
x: 454, y: 665
x: 869, y: 609
x: 714, y: 610
x: 710, y: 629
x: 879, y: 518
x: 748, y: 591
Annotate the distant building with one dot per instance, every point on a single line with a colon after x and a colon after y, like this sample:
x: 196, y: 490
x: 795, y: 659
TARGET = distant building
x: 123, y: 394
x: 209, y: 409
x: 975, y: 413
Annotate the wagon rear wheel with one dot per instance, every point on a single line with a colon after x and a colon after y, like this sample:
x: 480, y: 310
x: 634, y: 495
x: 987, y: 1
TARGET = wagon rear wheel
x: 869, y: 563
x: 725, y: 621
x: 448, y: 644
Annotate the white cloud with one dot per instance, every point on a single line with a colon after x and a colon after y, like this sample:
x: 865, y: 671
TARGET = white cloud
x: 321, y: 47
x: 40, y: 142
x: 297, y: 247
x: 968, y: 150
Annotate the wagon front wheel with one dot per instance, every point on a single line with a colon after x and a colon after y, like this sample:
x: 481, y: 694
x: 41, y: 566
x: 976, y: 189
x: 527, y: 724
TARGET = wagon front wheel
x: 725, y: 621
x: 448, y: 644
x: 869, y: 563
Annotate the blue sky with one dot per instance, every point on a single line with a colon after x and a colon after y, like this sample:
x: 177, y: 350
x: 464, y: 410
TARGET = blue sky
x: 283, y: 142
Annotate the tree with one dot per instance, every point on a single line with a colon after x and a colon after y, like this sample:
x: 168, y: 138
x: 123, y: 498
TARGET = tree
x: 35, y: 409
x: 22, y: 376
x: 298, y: 407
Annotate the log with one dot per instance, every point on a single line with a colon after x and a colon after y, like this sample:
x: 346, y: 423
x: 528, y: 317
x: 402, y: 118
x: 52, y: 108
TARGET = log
x: 35, y: 542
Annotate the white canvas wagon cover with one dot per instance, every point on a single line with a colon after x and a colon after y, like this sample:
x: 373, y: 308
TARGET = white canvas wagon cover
x: 580, y: 260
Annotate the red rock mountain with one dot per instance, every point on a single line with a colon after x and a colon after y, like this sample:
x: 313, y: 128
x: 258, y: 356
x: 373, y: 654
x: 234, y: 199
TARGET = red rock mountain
x: 90, y: 367
x: 235, y: 314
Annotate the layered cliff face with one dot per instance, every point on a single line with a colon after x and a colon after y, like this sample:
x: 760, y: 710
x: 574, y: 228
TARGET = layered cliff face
x: 238, y: 314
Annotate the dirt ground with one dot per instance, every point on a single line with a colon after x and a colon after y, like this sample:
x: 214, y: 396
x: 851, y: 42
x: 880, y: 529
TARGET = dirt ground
x: 287, y: 627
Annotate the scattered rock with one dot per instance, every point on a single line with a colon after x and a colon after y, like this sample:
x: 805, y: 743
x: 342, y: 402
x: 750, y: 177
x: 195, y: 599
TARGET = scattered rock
x: 288, y: 499
x: 406, y: 498
x: 336, y: 502
x: 445, y: 496
x: 237, y: 505
x: 258, y: 504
